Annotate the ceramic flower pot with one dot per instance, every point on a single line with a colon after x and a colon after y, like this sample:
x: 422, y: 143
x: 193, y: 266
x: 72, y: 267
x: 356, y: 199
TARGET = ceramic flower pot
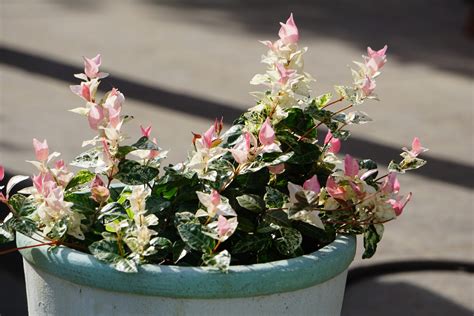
x: 68, y: 282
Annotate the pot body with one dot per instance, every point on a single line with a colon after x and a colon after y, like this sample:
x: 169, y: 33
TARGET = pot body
x: 67, y: 282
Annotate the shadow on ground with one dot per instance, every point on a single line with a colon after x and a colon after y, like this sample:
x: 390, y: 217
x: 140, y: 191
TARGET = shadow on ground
x: 433, y: 33
x: 382, y: 297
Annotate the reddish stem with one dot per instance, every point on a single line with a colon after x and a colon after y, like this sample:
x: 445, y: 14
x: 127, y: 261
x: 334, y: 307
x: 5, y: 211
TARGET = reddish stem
x: 4, y: 252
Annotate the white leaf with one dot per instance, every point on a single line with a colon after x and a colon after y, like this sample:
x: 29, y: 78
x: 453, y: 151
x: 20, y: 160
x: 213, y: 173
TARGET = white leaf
x: 81, y: 111
x: 14, y: 181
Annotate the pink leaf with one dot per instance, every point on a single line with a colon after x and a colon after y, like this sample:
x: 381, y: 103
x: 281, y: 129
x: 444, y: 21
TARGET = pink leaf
x: 41, y: 149
x: 266, y: 134
x: 334, y: 143
x: 289, y: 32
x: 351, y: 167
x: 312, y: 184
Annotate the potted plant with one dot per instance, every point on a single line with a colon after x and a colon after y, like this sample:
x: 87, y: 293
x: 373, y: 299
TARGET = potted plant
x: 259, y: 219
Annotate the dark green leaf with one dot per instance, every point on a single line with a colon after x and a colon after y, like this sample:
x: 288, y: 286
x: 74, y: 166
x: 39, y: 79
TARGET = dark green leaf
x: 246, y: 224
x: 183, y: 217
x: 371, y: 239
x: 219, y: 261
x: 252, y: 243
x: 274, y: 198
x: 298, y: 122
x: 251, y: 202
x: 341, y: 134
x: 369, y: 164
x: 21, y: 204
x: 156, y: 205
x: 82, y: 202
x: 289, y: 241
x: 107, y: 251
x: 23, y: 225
x: 192, y: 235
x: 314, y: 232
x: 179, y: 250
x: 5, y: 234
x: 133, y: 173
x: 305, y: 153
x: 122, y: 151
x: 146, y: 144
x: 279, y: 218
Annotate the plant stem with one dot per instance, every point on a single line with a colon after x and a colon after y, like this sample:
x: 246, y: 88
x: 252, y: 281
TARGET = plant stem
x: 4, y: 252
x: 333, y: 102
x: 217, y: 246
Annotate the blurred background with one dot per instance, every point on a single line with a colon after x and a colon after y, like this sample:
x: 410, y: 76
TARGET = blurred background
x: 182, y: 63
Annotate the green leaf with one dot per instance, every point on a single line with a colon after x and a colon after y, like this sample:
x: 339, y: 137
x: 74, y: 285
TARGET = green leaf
x: 161, y: 243
x: 124, y: 265
x: 82, y: 202
x: 318, y: 114
x: 107, y: 251
x: 183, y: 217
x: 112, y: 212
x: 156, y: 205
x: 88, y: 159
x: 341, y: 134
x: 289, y: 241
x: 23, y: 205
x: 298, y: 122
x: 122, y: 151
x: 369, y: 164
x: 193, y: 236
x: 160, y: 248
x: 23, y: 225
x: 251, y: 202
x: 170, y: 193
x: 252, y: 243
x: 274, y: 198
x: 322, y: 100
x: 395, y: 167
x: 229, y: 138
x: 410, y: 163
x: 358, y: 117
x: 179, y: 250
x: 371, y: 239
x: 82, y: 177
x: 324, y: 236
x: 279, y: 218
x: 267, y: 159
x: 246, y: 224
x: 305, y: 153
x: 5, y: 234
x: 219, y: 261
x: 133, y: 173
x: 59, y: 229
x: 146, y: 144
x: 252, y: 181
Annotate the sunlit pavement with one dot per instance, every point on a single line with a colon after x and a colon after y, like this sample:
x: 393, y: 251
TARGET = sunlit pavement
x: 181, y: 64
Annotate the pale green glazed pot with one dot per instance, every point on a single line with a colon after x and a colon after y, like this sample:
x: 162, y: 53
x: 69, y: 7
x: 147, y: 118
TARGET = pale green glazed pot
x: 260, y: 288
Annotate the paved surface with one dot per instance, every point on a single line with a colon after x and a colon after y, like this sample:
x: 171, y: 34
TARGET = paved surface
x: 182, y: 63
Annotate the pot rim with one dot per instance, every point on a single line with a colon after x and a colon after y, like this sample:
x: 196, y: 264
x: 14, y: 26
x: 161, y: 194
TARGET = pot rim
x: 195, y: 282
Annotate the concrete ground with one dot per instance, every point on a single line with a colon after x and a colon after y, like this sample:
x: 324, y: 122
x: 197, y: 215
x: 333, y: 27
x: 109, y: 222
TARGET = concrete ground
x: 181, y: 63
